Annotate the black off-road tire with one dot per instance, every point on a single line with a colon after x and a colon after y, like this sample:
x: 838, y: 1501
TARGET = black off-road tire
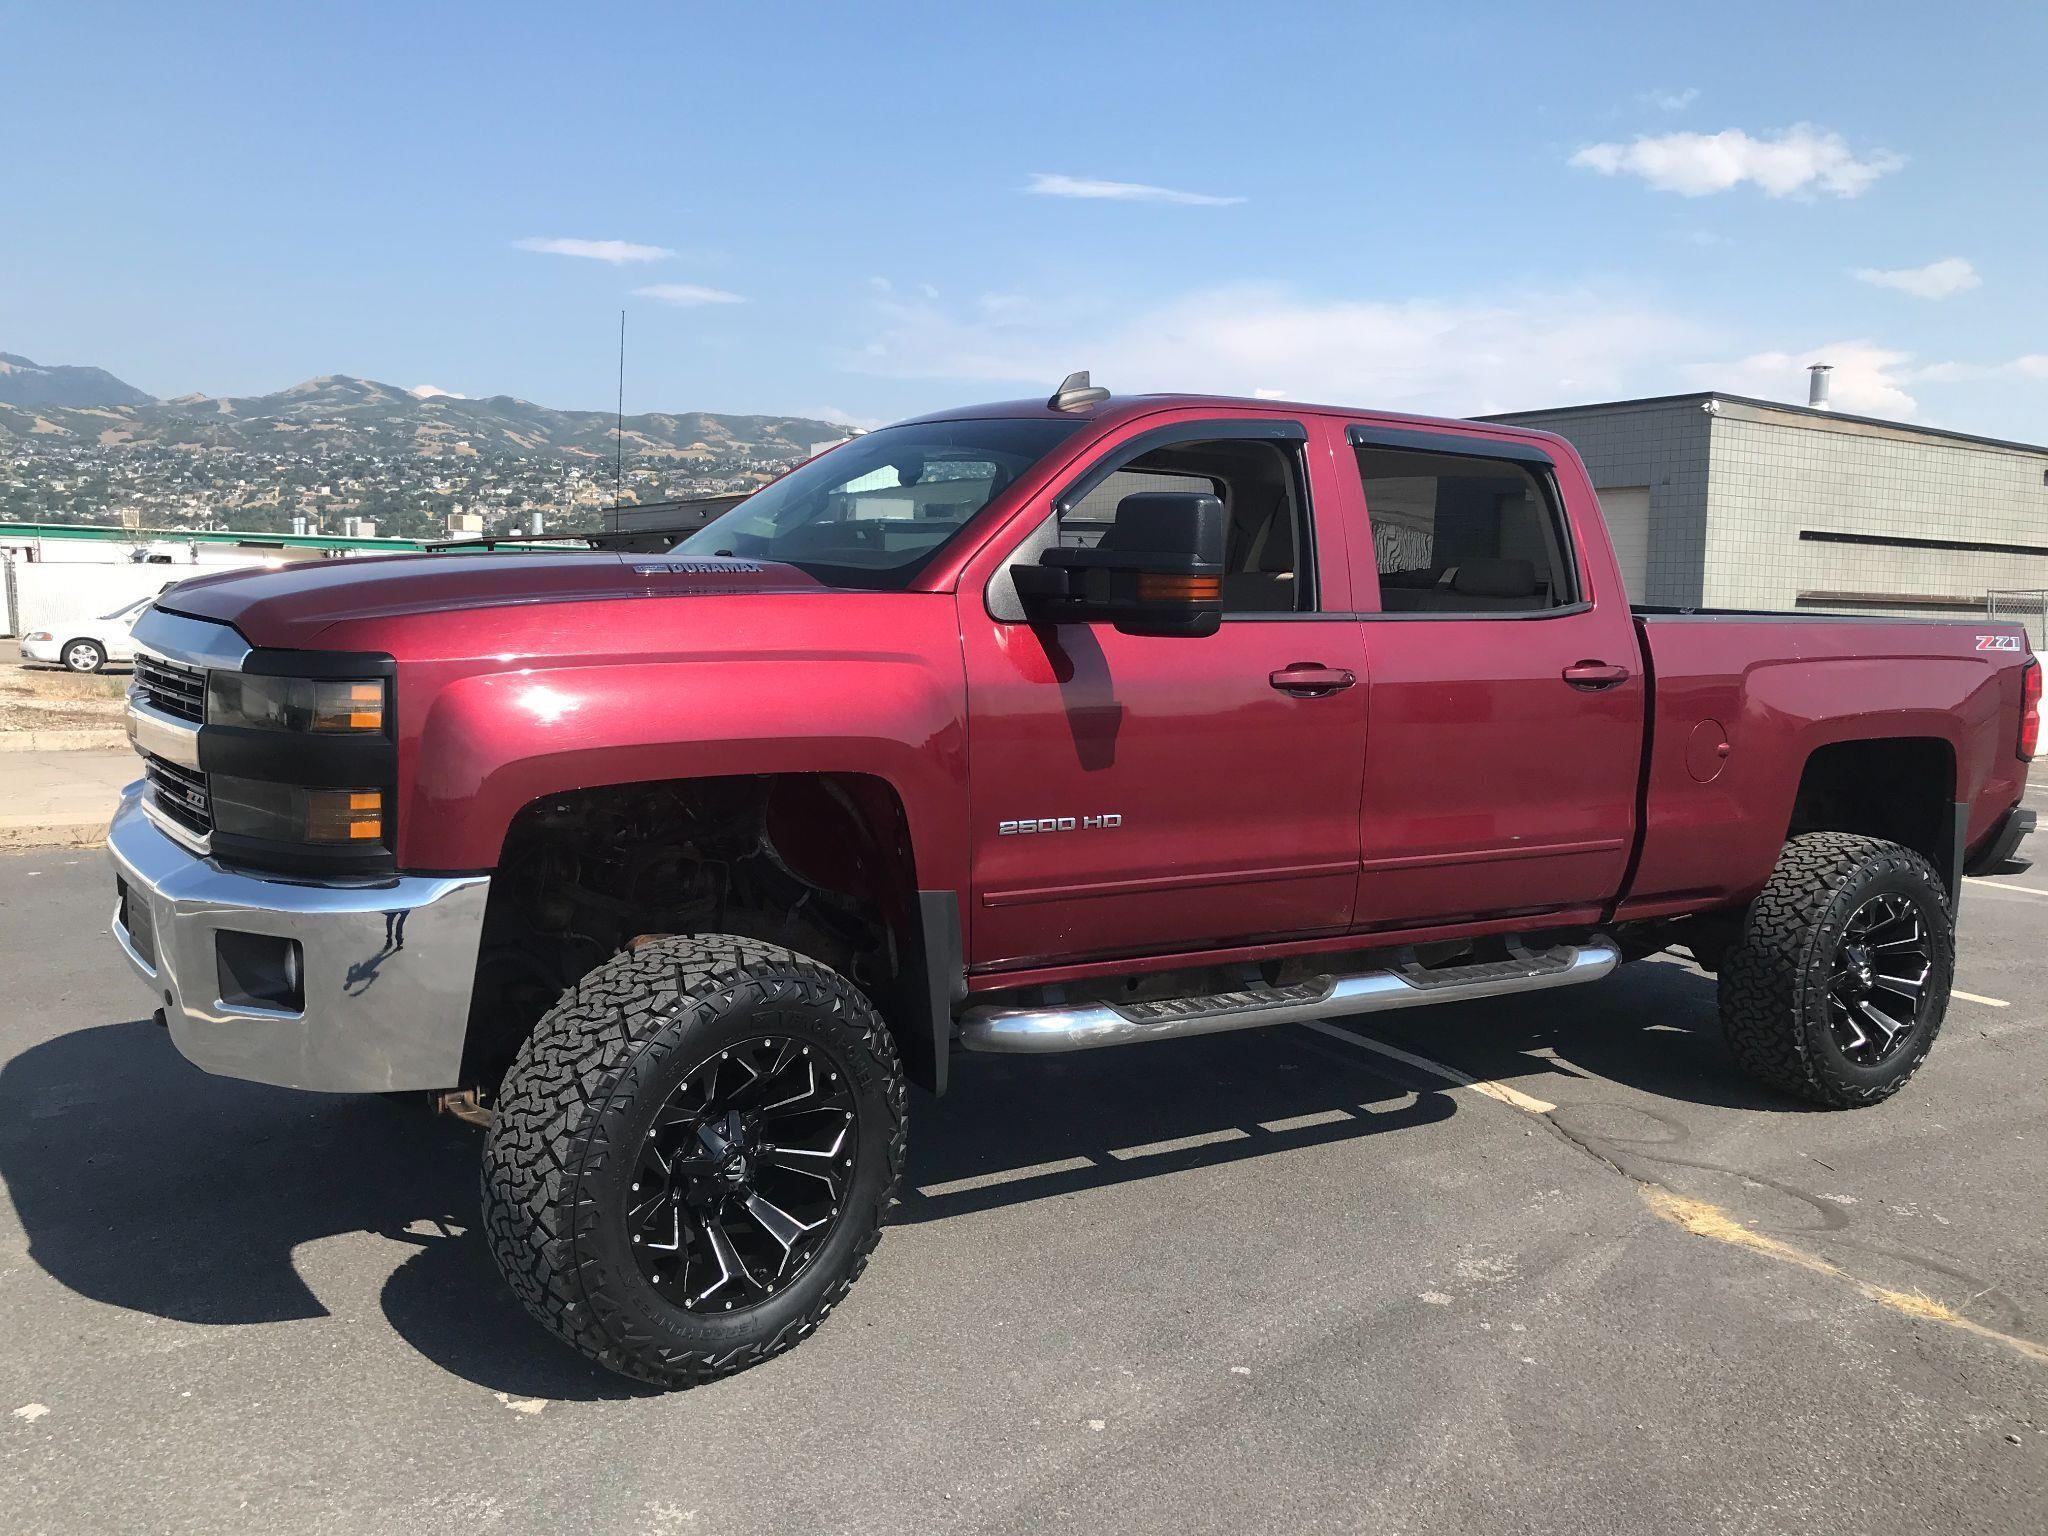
x: 1774, y: 979
x: 576, y: 1105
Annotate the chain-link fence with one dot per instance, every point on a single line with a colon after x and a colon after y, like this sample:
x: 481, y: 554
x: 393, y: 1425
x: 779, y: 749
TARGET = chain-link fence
x: 2022, y: 605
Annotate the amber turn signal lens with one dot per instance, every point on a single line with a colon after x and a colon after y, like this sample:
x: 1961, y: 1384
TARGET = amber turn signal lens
x: 1163, y: 587
x: 344, y: 815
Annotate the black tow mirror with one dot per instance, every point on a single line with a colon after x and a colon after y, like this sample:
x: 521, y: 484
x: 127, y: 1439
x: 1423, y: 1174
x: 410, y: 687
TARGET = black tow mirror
x: 1158, y: 571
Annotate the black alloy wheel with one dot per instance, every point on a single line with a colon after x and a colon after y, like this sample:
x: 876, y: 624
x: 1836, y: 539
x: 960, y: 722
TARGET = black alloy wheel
x: 743, y: 1174
x: 1879, y: 984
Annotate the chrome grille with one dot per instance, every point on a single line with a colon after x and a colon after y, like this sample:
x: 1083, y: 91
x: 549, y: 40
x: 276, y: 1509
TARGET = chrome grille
x: 179, y: 793
x: 171, y: 687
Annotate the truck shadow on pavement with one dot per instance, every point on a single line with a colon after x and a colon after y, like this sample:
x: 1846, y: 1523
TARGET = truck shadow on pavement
x: 1653, y: 1026
x: 145, y: 1184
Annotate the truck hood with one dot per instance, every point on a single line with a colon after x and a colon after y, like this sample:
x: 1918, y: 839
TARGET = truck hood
x: 289, y: 608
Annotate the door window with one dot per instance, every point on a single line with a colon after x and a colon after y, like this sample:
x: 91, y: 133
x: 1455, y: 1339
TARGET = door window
x: 1462, y: 534
x: 1269, y: 545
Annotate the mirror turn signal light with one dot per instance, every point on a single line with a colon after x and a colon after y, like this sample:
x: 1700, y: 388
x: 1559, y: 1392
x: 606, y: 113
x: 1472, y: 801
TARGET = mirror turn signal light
x: 1174, y: 587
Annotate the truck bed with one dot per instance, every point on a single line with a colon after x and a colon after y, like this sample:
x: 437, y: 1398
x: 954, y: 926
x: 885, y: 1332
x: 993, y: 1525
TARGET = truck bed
x: 1754, y: 718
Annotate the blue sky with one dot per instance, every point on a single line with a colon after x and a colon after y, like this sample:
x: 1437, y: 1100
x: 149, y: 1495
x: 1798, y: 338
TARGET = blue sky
x: 832, y: 208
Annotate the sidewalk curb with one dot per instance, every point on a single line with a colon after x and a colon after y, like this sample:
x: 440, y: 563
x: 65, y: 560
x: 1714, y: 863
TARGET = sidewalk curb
x: 84, y: 740
x: 18, y: 834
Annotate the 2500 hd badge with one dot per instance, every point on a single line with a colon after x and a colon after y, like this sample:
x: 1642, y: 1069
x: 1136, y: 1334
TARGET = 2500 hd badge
x: 1059, y: 824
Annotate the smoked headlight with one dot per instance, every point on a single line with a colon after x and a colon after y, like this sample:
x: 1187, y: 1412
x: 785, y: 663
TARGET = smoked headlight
x: 313, y: 705
x: 300, y: 753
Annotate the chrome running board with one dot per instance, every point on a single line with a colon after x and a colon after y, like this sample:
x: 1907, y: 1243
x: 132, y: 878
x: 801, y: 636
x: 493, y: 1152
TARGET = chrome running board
x: 1086, y: 1026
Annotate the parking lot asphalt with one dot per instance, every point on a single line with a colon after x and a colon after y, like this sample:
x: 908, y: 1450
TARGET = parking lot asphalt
x: 1276, y: 1281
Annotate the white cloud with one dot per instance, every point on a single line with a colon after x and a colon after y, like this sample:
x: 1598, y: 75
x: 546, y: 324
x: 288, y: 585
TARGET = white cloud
x: 687, y: 295
x: 1455, y: 356
x: 1802, y: 159
x: 617, y: 252
x: 1936, y: 280
x: 1867, y: 380
x: 433, y: 392
x: 2032, y: 366
x: 1045, y: 185
x: 1670, y: 101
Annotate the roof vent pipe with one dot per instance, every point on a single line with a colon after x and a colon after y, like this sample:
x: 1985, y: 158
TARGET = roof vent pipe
x: 1817, y: 386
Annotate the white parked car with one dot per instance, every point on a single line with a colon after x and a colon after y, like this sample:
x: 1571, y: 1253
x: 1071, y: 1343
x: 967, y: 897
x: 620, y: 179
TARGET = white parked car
x: 87, y: 645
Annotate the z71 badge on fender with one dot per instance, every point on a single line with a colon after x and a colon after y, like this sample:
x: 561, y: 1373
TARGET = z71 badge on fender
x: 1059, y: 824
x: 1999, y: 643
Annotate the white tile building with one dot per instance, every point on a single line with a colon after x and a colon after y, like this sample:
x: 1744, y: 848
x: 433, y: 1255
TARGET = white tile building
x: 1723, y: 501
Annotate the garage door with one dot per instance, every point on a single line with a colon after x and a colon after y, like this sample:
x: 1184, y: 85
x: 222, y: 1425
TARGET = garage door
x: 1627, y: 510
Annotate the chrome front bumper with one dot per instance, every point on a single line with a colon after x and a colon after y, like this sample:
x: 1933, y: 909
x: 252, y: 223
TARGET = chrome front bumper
x: 386, y: 969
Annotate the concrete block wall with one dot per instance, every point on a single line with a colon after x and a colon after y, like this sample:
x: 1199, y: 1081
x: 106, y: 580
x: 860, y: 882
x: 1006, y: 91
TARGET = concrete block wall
x: 1773, y: 475
x: 1662, y: 444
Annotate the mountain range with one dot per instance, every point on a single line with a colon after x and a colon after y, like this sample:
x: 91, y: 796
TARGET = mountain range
x: 66, y: 405
x: 25, y: 383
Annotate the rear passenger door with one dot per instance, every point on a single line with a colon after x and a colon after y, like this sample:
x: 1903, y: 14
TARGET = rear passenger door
x: 1506, y: 702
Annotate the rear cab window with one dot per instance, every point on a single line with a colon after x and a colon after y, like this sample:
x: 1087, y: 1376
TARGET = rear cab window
x: 1459, y: 531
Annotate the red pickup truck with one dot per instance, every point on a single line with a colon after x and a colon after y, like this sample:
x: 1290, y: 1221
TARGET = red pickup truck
x: 1027, y: 727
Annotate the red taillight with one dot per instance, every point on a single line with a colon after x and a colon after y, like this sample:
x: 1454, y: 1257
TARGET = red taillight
x: 2030, y: 708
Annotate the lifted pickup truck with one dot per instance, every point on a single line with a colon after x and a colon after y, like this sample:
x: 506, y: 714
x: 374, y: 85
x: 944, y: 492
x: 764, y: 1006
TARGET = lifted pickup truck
x: 1027, y: 727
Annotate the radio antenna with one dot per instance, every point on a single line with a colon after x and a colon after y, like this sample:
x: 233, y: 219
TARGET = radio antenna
x: 619, y: 426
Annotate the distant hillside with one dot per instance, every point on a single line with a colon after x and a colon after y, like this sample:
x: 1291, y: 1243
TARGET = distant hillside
x: 363, y: 416
x: 25, y: 383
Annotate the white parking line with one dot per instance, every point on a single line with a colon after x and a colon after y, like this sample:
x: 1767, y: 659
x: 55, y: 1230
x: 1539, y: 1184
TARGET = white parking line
x: 1180, y: 1143
x: 1305, y: 1122
x: 1003, y: 1176
x: 1493, y: 1090
x: 2000, y: 885
x: 1971, y: 997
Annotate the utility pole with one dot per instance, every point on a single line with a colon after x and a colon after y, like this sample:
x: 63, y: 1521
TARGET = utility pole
x: 619, y: 428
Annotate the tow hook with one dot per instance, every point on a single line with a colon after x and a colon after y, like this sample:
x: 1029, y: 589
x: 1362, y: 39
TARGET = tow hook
x: 465, y: 1104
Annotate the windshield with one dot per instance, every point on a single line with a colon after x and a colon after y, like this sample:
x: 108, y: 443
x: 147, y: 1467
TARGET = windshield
x: 130, y: 611
x: 873, y: 512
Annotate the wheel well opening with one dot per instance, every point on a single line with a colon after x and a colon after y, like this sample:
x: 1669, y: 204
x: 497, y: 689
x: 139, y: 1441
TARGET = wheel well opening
x: 819, y: 863
x: 1901, y: 789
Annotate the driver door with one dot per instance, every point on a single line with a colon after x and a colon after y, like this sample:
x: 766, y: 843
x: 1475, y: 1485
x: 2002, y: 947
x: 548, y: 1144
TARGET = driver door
x: 1147, y: 794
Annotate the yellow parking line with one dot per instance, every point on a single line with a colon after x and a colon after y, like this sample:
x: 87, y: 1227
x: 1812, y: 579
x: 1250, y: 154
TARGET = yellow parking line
x: 1971, y: 997
x: 1704, y: 1220
x: 1710, y: 1221
x: 1493, y: 1090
